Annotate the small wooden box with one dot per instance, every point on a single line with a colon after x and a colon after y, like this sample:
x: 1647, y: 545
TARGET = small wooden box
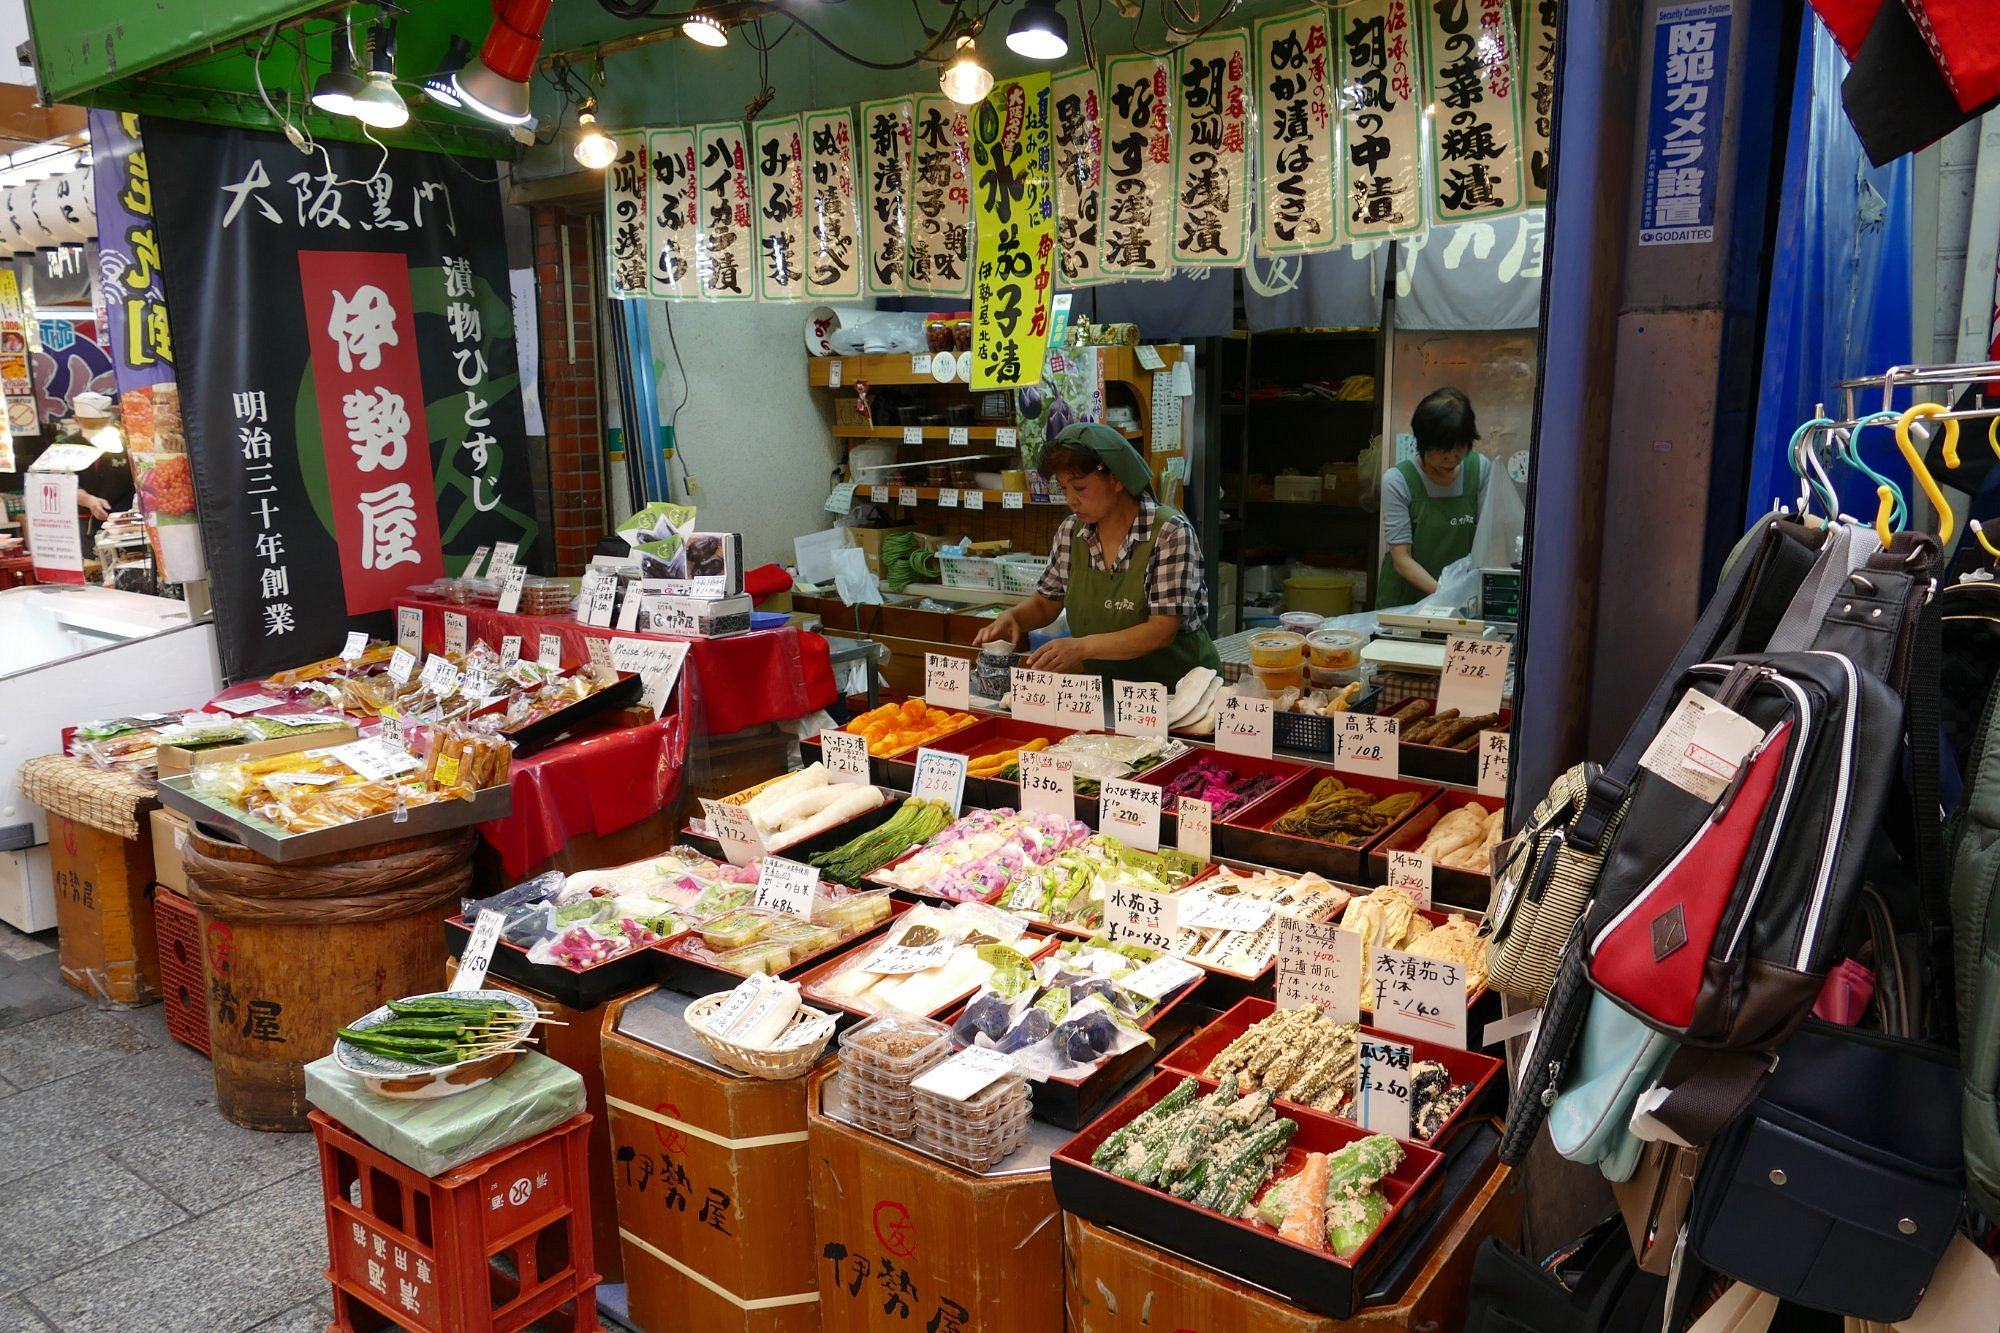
x: 109, y: 950
x: 711, y: 1173
x: 905, y: 1242
x: 167, y: 868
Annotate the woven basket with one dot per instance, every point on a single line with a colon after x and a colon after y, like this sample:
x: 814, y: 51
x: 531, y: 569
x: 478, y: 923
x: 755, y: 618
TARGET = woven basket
x: 797, y: 1049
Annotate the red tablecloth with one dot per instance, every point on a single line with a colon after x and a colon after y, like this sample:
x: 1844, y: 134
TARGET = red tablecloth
x: 739, y: 682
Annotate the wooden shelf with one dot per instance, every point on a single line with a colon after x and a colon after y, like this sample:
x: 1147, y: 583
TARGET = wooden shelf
x: 934, y: 434
x: 1118, y: 363
x: 880, y: 494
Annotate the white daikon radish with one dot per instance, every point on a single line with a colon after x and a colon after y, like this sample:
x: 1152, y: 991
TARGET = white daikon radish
x: 847, y: 802
x: 807, y: 778
x: 799, y: 806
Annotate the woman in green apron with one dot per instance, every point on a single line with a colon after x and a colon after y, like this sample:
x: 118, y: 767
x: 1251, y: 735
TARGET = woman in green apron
x: 1125, y: 567
x: 1430, y: 504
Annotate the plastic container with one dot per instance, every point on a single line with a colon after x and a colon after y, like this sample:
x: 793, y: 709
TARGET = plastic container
x: 993, y: 1105
x: 1332, y: 678
x: 1302, y: 622
x: 1328, y: 594
x: 1277, y: 650
x: 1335, y: 649
x: 977, y: 1134
x: 896, y: 1046
x: 852, y: 913
x: 1281, y: 678
x: 1021, y: 572
x: 733, y: 930
x: 767, y: 956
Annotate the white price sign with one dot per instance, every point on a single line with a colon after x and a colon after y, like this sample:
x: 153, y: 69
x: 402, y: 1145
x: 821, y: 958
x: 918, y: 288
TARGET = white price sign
x: 948, y: 497
x: 1140, y: 916
x: 635, y: 602
x: 947, y: 681
x: 786, y: 886
x: 732, y: 826
x: 1475, y: 675
x: 1079, y: 701
x: 1130, y: 812
x: 376, y: 759
x: 1196, y: 820
x: 454, y: 633
x: 966, y: 1074
x: 906, y: 495
x: 1138, y: 708
x: 845, y: 756
x: 1047, y: 785
x: 1366, y: 744
x: 510, y: 651
x: 600, y: 659
x: 1493, y: 758
x: 440, y: 677
x: 510, y: 592
x: 410, y: 629
x: 900, y: 960
x: 1411, y: 872
x: 1385, y: 1087
x: 1034, y: 695
x: 833, y: 373
x: 1418, y: 997
x: 911, y: 435
x: 478, y: 955
x: 940, y: 777
x: 1319, y: 963
x: 504, y: 556
x: 1225, y: 911
x: 1006, y: 437
x: 1160, y: 978
x: 478, y: 682
x: 601, y: 600
x: 401, y: 665
x: 1244, y: 727
x: 920, y: 363
x: 975, y: 499
x: 958, y: 437
x: 548, y: 652
x: 357, y: 644
x: 1013, y: 499
x: 477, y: 565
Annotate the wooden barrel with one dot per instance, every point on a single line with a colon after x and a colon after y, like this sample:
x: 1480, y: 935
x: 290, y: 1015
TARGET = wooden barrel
x: 299, y: 949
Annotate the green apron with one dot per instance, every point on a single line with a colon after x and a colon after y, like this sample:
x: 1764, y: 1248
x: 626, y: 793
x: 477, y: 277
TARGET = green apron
x: 1102, y: 603
x: 1441, y: 529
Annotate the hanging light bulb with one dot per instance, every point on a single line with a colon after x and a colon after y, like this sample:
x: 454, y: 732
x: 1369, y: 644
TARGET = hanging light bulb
x: 704, y: 29
x: 1039, y: 31
x: 334, y: 91
x: 378, y: 104
x: 438, y: 86
x: 965, y: 80
x: 594, y: 148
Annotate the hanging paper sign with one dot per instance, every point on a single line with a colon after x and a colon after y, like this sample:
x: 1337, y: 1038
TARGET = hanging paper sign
x: 673, y: 197
x: 886, y: 129
x: 625, y: 217
x: 1295, y: 133
x: 1014, y: 193
x: 940, y: 200
x: 833, y: 222
x: 1078, y: 132
x: 1138, y: 168
x: 1382, y: 122
x: 724, y: 236
x: 1212, y: 143
x: 1538, y: 92
x: 777, y: 153
x: 1471, y: 65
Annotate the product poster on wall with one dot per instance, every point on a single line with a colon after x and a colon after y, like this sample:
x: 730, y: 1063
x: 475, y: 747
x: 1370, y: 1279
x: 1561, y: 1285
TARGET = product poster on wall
x: 364, y: 432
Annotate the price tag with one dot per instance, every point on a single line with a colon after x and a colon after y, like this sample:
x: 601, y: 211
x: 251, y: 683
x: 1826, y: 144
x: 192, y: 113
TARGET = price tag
x: 841, y: 498
x: 1319, y: 963
x: 401, y: 665
x: 906, y: 495
x: 628, y: 610
x: 477, y: 565
x: 1418, y: 997
x: 1197, y: 823
x: 1385, y: 1087
x: 548, y: 652
x: 1411, y: 872
x: 1047, y: 785
x: 357, y: 644
x: 376, y: 759
x: 1366, y: 744
x: 1079, y: 701
x: 1475, y: 675
x: 602, y: 601
x: 1034, y: 695
x: 920, y: 363
x: 900, y: 960
x: 410, y: 628
x: 940, y: 777
x: 249, y: 704
x: 833, y: 373
x: 1007, y: 437
x: 505, y: 555
x: 732, y: 826
x: 948, y: 497
x: 478, y: 682
x: 1140, y: 916
x: 600, y: 659
x: 1243, y: 726
x: 1139, y: 708
x: 975, y: 499
x: 845, y: 756
x: 786, y: 886
x: 1493, y: 759
x: 1160, y: 978
x: 510, y: 592
x: 947, y: 681
x: 657, y: 663
x: 911, y: 435
x: 1150, y: 358
x: 455, y: 633
x: 1013, y: 499
x: 1225, y: 911
x: 1130, y: 812
x: 510, y: 651
x: 965, y: 1075
x: 478, y: 955
x: 440, y: 677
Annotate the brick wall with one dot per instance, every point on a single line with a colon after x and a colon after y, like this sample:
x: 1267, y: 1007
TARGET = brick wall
x: 570, y: 385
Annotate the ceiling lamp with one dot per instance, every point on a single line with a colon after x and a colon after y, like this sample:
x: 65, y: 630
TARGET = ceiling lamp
x: 1039, y: 31
x: 334, y: 91
x: 704, y: 29
x: 965, y: 80
x: 438, y: 86
x: 594, y: 148
x: 496, y: 84
x: 378, y: 104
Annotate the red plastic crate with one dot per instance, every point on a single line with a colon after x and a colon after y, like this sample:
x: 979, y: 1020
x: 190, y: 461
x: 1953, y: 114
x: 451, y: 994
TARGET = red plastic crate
x: 497, y: 1245
x: 183, y: 969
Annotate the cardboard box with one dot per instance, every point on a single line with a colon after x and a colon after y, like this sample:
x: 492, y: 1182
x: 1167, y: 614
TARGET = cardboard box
x: 109, y: 948
x: 168, y: 825
x: 173, y: 760
x: 870, y: 542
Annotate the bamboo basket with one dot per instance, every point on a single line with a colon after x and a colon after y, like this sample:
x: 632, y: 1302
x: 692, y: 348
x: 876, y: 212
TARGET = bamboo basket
x: 793, y: 1055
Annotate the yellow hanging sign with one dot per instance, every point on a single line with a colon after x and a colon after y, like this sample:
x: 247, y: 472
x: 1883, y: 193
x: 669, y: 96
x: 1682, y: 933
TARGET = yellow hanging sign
x: 1013, y: 199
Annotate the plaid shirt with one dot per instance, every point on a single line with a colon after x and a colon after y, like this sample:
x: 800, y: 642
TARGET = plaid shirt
x: 1174, y: 584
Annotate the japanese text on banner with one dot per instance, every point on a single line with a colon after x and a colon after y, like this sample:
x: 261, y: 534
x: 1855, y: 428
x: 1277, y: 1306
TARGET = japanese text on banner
x: 673, y: 196
x: 724, y: 235
x: 778, y: 151
x: 1684, y: 123
x: 1014, y: 193
x: 1078, y: 114
x: 1296, y: 133
x: 940, y: 206
x: 1138, y: 213
x: 886, y: 131
x: 833, y: 224
x: 625, y: 216
x: 1473, y: 63
x: 1212, y: 171
x: 1382, y: 119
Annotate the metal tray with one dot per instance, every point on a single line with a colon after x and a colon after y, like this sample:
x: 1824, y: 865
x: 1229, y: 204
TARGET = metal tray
x: 273, y: 843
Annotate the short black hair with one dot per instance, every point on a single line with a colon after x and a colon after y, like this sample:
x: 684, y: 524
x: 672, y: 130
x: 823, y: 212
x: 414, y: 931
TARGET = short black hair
x: 1444, y: 421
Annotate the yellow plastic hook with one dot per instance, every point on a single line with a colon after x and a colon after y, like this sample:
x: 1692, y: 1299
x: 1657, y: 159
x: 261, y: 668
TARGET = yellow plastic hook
x: 1984, y: 540
x: 1993, y: 435
x: 1885, y: 505
x: 1946, y: 521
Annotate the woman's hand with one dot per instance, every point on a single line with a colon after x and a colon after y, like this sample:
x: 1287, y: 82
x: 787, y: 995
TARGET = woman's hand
x: 1001, y: 627
x: 1066, y: 655
x: 92, y: 505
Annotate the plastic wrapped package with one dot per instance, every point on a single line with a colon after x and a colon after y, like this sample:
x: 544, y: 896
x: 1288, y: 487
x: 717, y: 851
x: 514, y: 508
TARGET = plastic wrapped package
x: 434, y: 1136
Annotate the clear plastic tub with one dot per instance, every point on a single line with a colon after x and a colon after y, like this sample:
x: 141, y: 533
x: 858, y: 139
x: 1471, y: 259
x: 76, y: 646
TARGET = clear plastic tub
x: 852, y: 913
x: 993, y: 1103
x: 975, y: 1152
x: 897, y: 1046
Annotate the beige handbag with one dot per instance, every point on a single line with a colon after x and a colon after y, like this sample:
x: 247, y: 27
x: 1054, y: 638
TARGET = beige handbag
x: 1540, y: 892
x: 1654, y: 1203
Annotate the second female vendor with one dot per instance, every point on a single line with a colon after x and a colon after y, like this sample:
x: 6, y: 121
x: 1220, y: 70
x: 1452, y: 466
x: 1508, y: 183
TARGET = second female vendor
x: 1126, y: 568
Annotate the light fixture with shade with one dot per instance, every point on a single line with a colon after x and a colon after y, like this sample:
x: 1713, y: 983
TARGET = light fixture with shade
x: 334, y: 91
x: 438, y: 86
x: 378, y: 105
x: 704, y: 29
x: 965, y: 80
x: 594, y: 148
x: 495, y: 85
x: 1039, y: 31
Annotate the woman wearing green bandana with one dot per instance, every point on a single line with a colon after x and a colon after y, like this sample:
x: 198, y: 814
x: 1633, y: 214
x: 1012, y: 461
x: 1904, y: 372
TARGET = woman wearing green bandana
x: 1430, y: 504
x: 1125, y: 567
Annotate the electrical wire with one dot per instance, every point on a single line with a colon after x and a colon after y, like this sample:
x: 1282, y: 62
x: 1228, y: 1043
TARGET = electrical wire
x: 686, y: 396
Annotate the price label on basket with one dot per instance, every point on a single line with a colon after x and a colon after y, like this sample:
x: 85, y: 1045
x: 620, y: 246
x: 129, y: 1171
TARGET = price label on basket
x: 1160, y: 978
x: 1319, y: 963
x: 1385, y: 1087
x: 786, y: 886
x: 357, y: 644
x: 958, y: 437
x: 906, y: 495
x: 1225, y: 911
x: 1493, y: 760
x: 401, y: 664
x: 947, y: 681
x: 505, y: 554
x: 440, y: 677
x: 1140, y: 916
x: 940, y: 777
x: 1411, y: 872
x: 947, y: 497
x: 1079, y: 700
x: 476, y: 567
x: 1138, y: 708
x: 1368, y: 745
x: 548, y: 652
x: 510, y: 592
x: 410, y: 629
x: 1013, y: 499
x: 1418, y: 997
x: 478, y: 955
x: 732, y: 826
x: 376, y: 759
x: 975, y: 499
x: 845, y: 756
x: 454, y: 633
x: 1034, y: 695
x: 1195, y: 834
x: 1006, y: 437
x: 1047, y: 785
x: 1130, y: 812
x: 965, y: 1075
x: 510, y: 651
x: 1243, y: 726
x: 1475, y: 675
